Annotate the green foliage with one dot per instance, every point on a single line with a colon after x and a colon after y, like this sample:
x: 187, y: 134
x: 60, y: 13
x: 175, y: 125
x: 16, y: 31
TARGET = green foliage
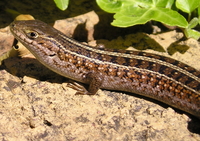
x: 187, y: 6
x: 62, y: 4
x: 133, y: 12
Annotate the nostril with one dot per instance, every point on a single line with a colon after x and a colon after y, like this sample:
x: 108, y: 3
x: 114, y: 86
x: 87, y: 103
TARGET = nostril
x: 52, y: 55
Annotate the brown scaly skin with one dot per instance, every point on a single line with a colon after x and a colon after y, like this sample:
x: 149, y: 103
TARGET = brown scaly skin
x: 154, y: 76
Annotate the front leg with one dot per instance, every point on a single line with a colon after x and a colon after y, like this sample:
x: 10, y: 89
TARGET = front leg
x: 95, y: 81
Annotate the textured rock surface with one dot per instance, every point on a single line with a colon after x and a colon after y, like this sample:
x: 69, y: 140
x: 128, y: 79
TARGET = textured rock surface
x: 36, y: 104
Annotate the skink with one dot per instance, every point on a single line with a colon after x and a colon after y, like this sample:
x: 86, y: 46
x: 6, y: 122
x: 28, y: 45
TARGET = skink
x: 158, y: 77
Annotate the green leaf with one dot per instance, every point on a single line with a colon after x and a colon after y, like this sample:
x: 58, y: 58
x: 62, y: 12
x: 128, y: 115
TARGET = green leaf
x: 187, y: 5
x: 110, y: 6
x: 191, y: 33
x: 135, y: 15
x: 169, y: 4
x: 199, y: 11
x: 164, y: 3
x: 133, y: 12
x: 62, y: 4
x: 199, y: 14
x: 194, y: 22
x: 114, y: 6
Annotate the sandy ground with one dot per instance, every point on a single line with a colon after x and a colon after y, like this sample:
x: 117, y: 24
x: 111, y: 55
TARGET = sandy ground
x: 36, y: 103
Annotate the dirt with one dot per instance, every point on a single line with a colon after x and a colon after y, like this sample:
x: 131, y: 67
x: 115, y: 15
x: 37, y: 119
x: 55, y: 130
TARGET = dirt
x: 36, y: 103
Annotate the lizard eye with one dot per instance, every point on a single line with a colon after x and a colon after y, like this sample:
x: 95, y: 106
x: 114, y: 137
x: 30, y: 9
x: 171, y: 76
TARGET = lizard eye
x: 32, y: 35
